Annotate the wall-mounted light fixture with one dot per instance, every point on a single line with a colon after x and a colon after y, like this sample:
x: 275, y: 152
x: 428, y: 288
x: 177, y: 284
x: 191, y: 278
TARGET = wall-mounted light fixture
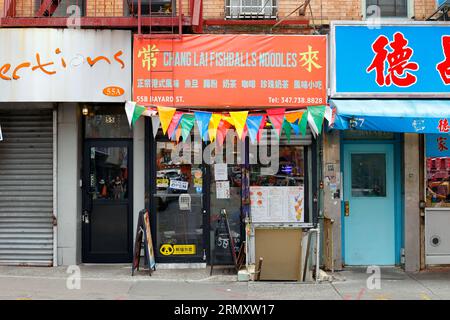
x: 85, y: 110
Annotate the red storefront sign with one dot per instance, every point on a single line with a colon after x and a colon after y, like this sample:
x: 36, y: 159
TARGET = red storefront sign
x: 230, y: 70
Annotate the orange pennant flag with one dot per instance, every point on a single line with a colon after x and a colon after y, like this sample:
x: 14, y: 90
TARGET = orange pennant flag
x: 165, y: 116
x: 293, y: 116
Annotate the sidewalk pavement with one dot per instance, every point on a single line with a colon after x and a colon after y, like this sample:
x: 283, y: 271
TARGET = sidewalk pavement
x: 115, y: 282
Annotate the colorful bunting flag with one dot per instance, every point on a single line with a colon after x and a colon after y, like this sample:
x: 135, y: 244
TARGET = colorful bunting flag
x: 155, y: 125
x: 213, y: 125
x: 174, y: 124
x: 178, y: 134
x: 239, y: 119
x: 165, y: 116
x: 276, y: 117
x: 253, y: 125
x: 303, y: 123
x: 222, y: 131
x: 133, y: 111
x: 203, y: 119
x: 296, y: 127
x: 261, y: 128
x: 287, y: 130
x: 187, y: 123
x: 315, y: 118
x: 292, y: 117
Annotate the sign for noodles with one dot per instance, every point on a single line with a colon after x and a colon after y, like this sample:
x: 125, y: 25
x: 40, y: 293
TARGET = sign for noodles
x: 243, y: 70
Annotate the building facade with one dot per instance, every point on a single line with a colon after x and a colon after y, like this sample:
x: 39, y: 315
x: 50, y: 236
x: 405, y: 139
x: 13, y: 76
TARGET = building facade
x: 102, y: 173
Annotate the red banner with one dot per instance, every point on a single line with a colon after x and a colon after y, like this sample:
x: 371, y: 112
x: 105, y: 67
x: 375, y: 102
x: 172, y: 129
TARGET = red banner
x: 230, y: 70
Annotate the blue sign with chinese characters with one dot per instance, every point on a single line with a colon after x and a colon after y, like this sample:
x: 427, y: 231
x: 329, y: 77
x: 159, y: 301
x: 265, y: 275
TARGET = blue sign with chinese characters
x: 438, y: 145
x: 390, y: 60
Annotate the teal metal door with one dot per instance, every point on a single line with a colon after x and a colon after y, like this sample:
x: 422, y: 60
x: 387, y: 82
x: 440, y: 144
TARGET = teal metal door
x: 369, y: 204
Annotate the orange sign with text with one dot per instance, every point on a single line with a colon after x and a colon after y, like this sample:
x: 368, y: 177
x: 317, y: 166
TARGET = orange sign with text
x: 230, y: 70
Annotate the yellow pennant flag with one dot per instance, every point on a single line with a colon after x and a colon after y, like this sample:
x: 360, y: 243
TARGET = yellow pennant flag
x: 213, y: 125
x: 291, y: 117
x: 165, y: 116
x: 239, y: 119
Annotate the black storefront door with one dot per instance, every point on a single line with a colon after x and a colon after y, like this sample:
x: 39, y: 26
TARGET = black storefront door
x: 107, y: 201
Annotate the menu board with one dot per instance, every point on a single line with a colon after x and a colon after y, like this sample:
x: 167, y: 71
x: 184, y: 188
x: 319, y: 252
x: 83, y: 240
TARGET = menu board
x: 277, y: 204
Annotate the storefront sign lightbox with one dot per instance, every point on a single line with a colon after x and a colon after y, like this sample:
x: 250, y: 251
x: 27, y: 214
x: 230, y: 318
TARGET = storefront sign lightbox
x: 395, y: 60
x: 65, y: 65
x: 230, y: 70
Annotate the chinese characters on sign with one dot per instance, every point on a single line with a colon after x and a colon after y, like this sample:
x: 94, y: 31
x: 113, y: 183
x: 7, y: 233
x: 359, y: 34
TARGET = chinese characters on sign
x: 399, y: 64
x: 438, y: 145
x: 395, y: 60
x: 444, y: 66
x: 243, y: 70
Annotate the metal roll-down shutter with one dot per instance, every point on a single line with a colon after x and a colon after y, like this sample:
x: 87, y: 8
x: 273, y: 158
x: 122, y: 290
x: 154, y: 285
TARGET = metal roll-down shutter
x: 26, y: 187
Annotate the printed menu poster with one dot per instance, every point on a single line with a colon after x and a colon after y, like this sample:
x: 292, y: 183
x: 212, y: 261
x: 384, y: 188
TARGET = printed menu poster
x: 277, y: 204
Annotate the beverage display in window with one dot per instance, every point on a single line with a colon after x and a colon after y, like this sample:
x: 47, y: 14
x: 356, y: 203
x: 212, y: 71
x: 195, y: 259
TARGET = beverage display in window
x: 438, y: 181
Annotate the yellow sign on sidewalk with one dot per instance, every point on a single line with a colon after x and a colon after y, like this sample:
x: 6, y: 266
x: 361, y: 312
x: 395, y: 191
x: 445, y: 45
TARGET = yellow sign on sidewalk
x: 169, y: 249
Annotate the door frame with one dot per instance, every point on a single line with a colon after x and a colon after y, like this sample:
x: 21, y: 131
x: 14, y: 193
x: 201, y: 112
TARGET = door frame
x: 86, y: 257
x: 150, y: 205
x: 397, y: 143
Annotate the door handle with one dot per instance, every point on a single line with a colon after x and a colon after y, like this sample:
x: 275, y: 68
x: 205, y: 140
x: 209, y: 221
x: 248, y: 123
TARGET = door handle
x: 346, y: 208
x: 85, y: 217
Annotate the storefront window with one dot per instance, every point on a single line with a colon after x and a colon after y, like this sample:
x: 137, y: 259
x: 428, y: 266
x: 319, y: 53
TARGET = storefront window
x: 178, y: 199
x: 438, y: 182
x: 107, y: 122
x: 368, y: 175
x: 291, y: 169
x: 232, y: 204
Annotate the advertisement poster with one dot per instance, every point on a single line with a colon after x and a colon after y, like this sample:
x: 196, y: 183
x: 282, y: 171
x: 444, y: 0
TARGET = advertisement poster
x: 277, y: 204
x: 243, y: 70
x: 220, y: 171
x: 223, y: 189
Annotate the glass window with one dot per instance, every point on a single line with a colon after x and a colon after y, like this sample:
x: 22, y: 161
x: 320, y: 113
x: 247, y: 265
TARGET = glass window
x: 107, y: 122
x: 109, y: 173
x: 221, y: 248
x: 291, y: 169
x: 389, y: 8
x: 438, y: 178
x: 368, y: 174
x: 177, y: 174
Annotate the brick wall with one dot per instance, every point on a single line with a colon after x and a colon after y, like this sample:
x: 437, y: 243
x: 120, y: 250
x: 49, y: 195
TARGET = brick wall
x: 104, y: 8
x: 424, y: 8
x: 25, y: 8
x: 323, y: 10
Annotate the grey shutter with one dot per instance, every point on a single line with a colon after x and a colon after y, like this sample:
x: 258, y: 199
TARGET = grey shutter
x: 26, y: 187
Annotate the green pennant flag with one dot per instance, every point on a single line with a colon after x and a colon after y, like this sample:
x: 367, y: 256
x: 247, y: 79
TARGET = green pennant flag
x: 187, y: 123
x: 287, y: 130
x: 315, y: 118
x: 133, y: 111
x: 303, y: 123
